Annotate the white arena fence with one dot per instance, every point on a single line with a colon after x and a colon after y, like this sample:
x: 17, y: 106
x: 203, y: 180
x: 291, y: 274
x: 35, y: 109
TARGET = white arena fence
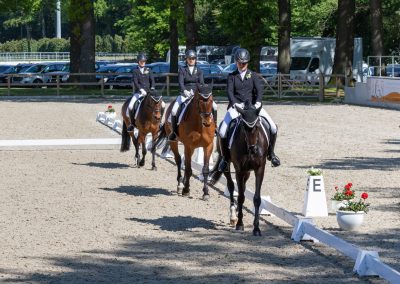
x: 59, y: 56
x: 367, y: 263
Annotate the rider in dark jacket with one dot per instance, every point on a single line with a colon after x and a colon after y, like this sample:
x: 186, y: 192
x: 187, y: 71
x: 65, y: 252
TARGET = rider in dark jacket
x: 245, y: 86
x: 143, y: 81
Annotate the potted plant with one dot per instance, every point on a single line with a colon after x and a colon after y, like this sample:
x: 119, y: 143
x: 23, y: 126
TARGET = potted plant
x: 350, y: 216
x: 342, y: 196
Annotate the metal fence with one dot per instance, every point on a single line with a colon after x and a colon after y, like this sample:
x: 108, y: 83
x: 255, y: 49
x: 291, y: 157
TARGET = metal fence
x: 278, y: 86
x: 59, y: 56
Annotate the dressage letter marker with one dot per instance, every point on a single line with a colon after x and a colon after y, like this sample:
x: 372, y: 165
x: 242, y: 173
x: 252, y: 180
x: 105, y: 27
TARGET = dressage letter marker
x: 314, y: 198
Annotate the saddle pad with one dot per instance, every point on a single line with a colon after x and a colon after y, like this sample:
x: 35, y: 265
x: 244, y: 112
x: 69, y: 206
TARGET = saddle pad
x: 186, y: 104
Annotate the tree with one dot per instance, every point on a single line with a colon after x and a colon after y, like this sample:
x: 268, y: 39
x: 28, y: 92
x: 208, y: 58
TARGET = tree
x: 173, y: 36
x: 376, y: 27
x: 343, y: 60
x: 190, y: 28
x: 284, y: 36
x: 82, y: 54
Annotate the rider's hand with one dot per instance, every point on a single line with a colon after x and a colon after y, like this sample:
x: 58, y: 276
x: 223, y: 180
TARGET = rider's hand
x: 257, y: 105
x: 186, y: 93
x: 152, y: 88
x: 143, y: 92
x: 239, y: 105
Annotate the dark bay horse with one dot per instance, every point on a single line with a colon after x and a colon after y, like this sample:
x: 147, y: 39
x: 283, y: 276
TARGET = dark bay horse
x: 196, y: 130
x: 248, y: 152
x: 148, y: 121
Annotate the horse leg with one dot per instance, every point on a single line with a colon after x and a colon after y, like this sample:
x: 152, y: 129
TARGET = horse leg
x: 136, y: 144
x: 206, y: 170
x: 178, y: 162
x: 257, y: 200
x: 153, y: 153
x: 144, y: 152
x: 232, y: 208
x: 188, y: 171
x: 241, y: 177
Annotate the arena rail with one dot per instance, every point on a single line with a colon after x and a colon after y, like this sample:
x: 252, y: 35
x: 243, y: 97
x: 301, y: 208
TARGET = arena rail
x: 367, y: 263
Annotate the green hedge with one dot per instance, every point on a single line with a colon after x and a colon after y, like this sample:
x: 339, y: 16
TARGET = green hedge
x: 106, y: 43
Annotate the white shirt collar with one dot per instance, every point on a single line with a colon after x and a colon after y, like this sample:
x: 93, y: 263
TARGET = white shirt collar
x: 242, y: 73
x: 191, y: 68
x: 141, y: 69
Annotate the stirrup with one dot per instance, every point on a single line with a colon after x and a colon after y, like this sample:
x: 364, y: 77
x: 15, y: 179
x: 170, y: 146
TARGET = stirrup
x: 223, y: 165
x: 172, y: 136
x: 130, y: 128
x: 275, y: 162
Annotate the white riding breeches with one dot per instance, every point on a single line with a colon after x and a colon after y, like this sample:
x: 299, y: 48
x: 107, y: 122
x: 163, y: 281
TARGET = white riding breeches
x: 181, y: 99
x: 135, y: 97
x: 232, y: 113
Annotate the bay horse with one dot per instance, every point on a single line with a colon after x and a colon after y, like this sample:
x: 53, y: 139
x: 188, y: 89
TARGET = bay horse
x: 248, y: 152
x: 196, y: 129
x: 148, y: 121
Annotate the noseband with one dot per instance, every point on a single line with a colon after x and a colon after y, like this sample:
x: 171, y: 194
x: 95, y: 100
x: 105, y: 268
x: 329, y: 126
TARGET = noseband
x: 154, y: 110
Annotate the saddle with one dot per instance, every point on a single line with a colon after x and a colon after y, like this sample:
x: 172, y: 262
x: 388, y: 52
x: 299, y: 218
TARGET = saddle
x: 181, y: 112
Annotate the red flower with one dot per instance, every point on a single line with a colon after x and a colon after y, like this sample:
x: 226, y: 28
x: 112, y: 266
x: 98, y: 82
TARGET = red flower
x: 348, y: 192
x: 336, y: 187
x: 347, y: 186
x: 364, y: 195
x: 109, y: 106
x: 350, y: 184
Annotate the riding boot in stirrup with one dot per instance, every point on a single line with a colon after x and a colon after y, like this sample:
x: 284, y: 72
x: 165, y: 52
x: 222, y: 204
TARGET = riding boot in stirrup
x: 173, y: 135
x: 271, y: 155
x: 215, y: 114
x: 131, y: 127
x: 223, y: 166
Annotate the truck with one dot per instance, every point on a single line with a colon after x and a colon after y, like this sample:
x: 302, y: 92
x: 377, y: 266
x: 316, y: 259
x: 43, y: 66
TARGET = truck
x: 311, y: 56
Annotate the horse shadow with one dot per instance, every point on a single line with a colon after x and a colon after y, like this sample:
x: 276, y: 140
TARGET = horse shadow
x: 139, y: 190
x: 104, y: 165
x: 177, y: 223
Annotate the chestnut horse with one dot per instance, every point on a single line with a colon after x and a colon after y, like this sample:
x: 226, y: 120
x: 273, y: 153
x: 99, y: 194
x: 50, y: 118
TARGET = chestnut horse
x: 196, y: 129
x: 248, y: 152
x: 148, y: 121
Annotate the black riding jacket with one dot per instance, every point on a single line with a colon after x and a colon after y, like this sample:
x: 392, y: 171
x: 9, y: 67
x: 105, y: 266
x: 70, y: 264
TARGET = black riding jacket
x: 143, y: 81
x: 189, y: 81
x: 247, y: 90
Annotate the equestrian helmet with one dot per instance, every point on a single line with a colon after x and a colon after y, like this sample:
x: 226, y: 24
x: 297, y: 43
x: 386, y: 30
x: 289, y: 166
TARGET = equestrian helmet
x: 242, y: 55
x: 190, y: 53
x: 141, y: 57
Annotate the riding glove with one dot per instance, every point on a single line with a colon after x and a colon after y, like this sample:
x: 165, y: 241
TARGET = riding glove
x: 143, y: 92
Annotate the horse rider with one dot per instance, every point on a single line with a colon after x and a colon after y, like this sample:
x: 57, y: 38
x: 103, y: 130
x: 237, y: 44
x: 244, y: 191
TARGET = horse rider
x: 244, y: 86
x: 143, y: 81
x: 188, y: 76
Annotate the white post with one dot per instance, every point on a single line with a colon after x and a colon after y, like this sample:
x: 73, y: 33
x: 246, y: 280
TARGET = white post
x: 58, y: 18
x: 314, y: 198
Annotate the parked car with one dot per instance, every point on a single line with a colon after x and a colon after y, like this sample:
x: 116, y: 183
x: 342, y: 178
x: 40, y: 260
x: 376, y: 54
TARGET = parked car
x: 37, y: 73
x: 123, y: 80
x: 4, y: 70
x: 393, y: 70
x: 63, y: 75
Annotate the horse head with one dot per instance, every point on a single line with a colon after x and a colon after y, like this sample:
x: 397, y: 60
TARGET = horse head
x: 205, y: 104
x: 249, y: 118
x: 155, y: 104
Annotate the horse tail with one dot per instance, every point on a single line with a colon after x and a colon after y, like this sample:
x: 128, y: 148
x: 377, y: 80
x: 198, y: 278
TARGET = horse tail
x: 216, y: 174
x: 126, y: 140
x: 162, y: 136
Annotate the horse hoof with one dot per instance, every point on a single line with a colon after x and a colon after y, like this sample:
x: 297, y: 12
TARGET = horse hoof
x: 206, y: 197
x: 233, y: 222
x: 257, y: 232
x: 141, y: 164
x: 154, y: 168
x: 185, y: 194
x: 239, y: 227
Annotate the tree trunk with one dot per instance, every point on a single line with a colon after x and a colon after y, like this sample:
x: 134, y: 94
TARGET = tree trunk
x: 376, y: 27
x: 344, y: 38
x: 82, y: 39
x: 173, y: 37
x: 43, y: 22
x: 190, y: 29
x: 284, y: 36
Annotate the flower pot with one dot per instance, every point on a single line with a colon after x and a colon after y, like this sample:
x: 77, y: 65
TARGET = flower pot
x: 336, y: 204
x: 349, y: 220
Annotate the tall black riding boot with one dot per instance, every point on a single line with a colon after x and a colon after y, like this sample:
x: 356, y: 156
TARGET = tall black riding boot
x: 173, y: 135
x: 215, y: 115
x: 224, y: 164
x: 131, y: 127
x: 271, y: 155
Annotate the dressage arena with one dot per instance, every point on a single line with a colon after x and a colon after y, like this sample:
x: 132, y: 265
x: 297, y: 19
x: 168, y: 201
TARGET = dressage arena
x: 83, y: 213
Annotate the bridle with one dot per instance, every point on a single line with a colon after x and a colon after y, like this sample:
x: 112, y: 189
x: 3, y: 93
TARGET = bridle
x: 156, y: 109
x: 203, y: 114
x: 251, y: 148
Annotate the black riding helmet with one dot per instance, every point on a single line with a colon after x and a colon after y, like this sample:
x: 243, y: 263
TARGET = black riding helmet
x: 190, y: 53
x: 242, y: 55
x: 141, y: 57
